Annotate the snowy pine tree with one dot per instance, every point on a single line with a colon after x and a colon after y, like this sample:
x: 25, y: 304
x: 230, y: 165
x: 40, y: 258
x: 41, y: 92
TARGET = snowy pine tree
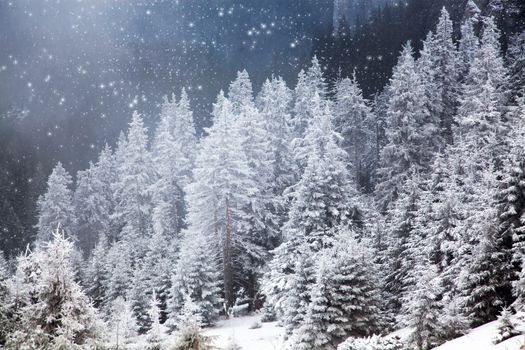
x: 310, y: 84
x: 97, y: 274
x: 185, y: 140
x: 166, y: 191
x: 93, y: 201
x: 190, y: 335
x: 261, y: 230
x: 401, y: 235
x: 274, y: 102
x: 196, y: 277
x: 344, y: 299
x: 354, y: 120
x: 441, y: 77
x: 122, y: 322
x: 55, y: 207
x: 132, y: 190
x: 321, y: 201
x: 220, y: 200
x: 312, y: 332
x: 423, y: 309
x: 120, y: 266
x: 468, y: 48
x: 155, y: 333
x: 506, y: 327
x: 516, y: 63
x: 55, y: 313
x: 410, y: 130
x: 485, y: 281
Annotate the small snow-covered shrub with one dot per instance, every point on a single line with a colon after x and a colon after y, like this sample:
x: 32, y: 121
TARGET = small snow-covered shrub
x: 372, y: 343
x: 190, y: 335
x: 268, y: 314
x: 255, y: 325
x: 233, y: 346
x: 506, y: 327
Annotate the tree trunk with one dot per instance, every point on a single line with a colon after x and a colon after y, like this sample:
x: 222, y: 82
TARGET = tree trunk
x: 227, y: 261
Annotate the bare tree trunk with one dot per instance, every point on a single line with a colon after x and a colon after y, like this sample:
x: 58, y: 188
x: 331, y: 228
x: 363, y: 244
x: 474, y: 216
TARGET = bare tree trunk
x: 227, y: 261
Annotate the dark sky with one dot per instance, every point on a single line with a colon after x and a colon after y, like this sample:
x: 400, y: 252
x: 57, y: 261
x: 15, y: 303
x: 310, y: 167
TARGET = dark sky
x: 72, y: 71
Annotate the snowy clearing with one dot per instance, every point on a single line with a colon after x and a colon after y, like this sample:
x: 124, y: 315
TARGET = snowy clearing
x: 267, y: 337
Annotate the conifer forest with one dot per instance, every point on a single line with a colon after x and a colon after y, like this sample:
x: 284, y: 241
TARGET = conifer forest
x: 262, y: 175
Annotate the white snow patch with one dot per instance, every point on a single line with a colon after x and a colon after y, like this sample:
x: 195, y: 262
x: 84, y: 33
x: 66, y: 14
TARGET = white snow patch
x: 268, y: 337
x: 481, y: 338
x: 511, y: 344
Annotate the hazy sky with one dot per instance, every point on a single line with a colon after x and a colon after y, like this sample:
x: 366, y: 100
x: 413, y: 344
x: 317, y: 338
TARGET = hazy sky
x: 72, y: 71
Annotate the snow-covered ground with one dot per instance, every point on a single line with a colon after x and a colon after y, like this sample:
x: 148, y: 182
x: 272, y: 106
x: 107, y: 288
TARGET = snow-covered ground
x: 239, y: 329
x: 481, y: 339
x: 269, y: 336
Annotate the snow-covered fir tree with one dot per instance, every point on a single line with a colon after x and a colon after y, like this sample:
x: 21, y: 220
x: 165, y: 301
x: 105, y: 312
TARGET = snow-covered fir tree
x: 132, y: 190
x: 155, y: 333
x: 485, y: 280
x: 152, y: 275
x: 55, y: 313
x: 321, y: 202
x: 93, y: 201
x: 159, y: 262
x: 506, y: 327
x: 511, y: 207
x: 274, y: 102
x: 516, y: 63
x: 166, y: 191
x: 122, y: 323
x: 312, y: 332
x: 55, y: 207
x: 139, y: 296
x: 323, y: 197
x: 489, y: 63
x: 183, y: 130
x: 190, y: 335
x: 422, y: 308
x: 438, y: 66
x: 196, y: 279
x: 467, y: 49
x: 261, y: 231
x: 354, y: 120
x: 97, y: 273
x: 119, y: 259
x: 288, y: 284
x: 344, y: 300
x: 410, y: 130
x: 401, y: 235
x: 220, y: 200
x: 310, y: 83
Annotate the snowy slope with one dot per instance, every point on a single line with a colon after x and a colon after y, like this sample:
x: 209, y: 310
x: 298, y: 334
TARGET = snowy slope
x: 269, y: 336
x: 265, y: 338
x: 481, y: 339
